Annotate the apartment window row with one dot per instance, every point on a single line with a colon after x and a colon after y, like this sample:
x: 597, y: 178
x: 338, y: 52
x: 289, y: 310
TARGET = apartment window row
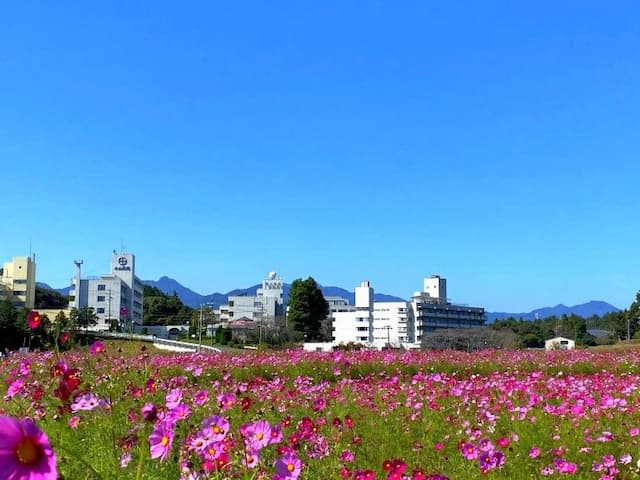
x: 102, y: 287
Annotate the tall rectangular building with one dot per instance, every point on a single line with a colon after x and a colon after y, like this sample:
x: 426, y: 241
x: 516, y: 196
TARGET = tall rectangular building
x: 116, y: 298
x: 18, y: 282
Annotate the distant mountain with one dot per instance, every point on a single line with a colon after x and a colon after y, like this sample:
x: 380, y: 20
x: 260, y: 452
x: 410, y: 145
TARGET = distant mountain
x: 169, y: 285
x: 62, y: 291
x: 193, y: 299
x: 584, y: 310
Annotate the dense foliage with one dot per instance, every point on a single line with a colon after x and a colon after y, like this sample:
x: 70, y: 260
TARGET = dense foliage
x: 162, y: 309
x: 613, y: 327
x: 307, y: 308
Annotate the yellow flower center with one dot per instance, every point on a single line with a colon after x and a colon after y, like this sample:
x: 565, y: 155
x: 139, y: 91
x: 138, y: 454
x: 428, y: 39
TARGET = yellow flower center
x: 164, y: 441
x: 28, y: 452
x: 259, y: 435
x: 216, y: 429
x: 290, y: 467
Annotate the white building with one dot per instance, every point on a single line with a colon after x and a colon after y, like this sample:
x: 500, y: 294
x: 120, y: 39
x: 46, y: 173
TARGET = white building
x: 391, y: 323
x: 432, y: 310
x: 265, y: 306
x: 116, y: 298
x: 401, y: 324
x: 559, y: 343
x: 375, y: 324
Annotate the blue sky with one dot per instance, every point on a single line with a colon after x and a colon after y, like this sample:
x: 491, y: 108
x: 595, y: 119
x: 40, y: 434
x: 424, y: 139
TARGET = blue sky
x: 494, y: 143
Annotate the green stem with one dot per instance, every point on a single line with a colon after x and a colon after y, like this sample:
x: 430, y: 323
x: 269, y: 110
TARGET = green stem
x: 82, y: 460
x: 143, y: 449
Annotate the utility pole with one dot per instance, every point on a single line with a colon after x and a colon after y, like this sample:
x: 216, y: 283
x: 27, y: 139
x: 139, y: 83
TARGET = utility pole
x: 628, y: 328
x: 200, y: 330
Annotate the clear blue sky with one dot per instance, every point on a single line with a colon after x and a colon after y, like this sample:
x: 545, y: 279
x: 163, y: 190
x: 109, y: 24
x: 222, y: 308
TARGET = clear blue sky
x: 495, y: 143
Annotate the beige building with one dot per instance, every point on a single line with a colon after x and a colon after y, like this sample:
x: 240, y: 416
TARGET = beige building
x: 18, y: 282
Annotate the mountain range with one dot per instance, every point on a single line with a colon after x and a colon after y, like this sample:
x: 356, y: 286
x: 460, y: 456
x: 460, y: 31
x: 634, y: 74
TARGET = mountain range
x: 583, y: 310
x: 194, y: 299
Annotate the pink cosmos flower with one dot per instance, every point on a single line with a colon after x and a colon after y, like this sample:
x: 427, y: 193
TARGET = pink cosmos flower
x: 469, y: 451
x: 179, y: 412
x: 25, y: 451
x: 174, y: 397
x: 227, y: 400
x: 276, y: 434
x: 149, y: 412
x: 160, y: 441
x: 201, y: 397
x: 347, y: 456
x: 251, y: 459
x: 96, y: 347
x: 534, y: 452
x: 257, y: 434
x: 288, y: 466
x: 125, y: 459
x: 15, y: 388
x: 25, y: 368
x: 215, y: 428
x: 87, y: 401
x: 563, y: 466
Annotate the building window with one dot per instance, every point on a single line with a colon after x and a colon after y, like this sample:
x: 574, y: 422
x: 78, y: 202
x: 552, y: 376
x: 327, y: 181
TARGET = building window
x: 100, y: 298
x: 102, y: 287
x: 19, y: 282
x: 100, y: 310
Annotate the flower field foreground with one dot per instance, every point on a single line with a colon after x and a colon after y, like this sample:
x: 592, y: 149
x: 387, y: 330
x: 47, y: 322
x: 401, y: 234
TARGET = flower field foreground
x: 359, y: 415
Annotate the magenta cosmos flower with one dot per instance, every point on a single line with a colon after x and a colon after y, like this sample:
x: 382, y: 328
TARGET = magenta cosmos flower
x: 96, y: 347
x: 34, y: 319
x: 25, y: 451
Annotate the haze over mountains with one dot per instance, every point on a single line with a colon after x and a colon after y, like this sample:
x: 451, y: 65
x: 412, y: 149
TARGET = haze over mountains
x: 194, y: 299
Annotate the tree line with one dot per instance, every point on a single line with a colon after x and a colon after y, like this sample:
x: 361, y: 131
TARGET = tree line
x: 533, y: 333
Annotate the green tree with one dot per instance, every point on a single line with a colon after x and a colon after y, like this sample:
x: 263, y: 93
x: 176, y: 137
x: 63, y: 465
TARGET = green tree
x: 632, y: 316
x: 10, y: 333
x: 162, y: 309
x: 83, y: 318
x: 307, y: 308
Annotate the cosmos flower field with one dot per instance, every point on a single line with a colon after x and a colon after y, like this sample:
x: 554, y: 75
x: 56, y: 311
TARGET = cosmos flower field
x: 288, y: 415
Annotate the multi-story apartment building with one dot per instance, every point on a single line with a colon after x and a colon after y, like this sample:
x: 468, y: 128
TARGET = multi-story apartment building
x: 116, y: 298
x: 395, y: 324
x: 432, y: 310
x: 18, y: 282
